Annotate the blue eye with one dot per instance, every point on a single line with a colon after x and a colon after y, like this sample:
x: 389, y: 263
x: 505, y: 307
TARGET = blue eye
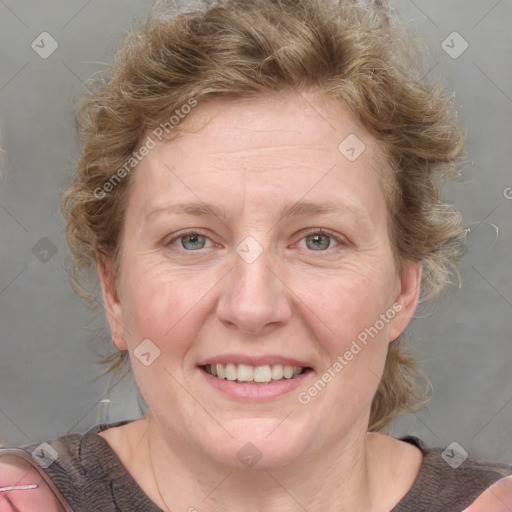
x: 192, y: 241
x: 320, y: 241
x: 316, y: 240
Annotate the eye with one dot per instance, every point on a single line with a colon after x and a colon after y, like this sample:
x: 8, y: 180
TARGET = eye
x: 319, y: 240
x: 191, y: 241
x: 316, y: 240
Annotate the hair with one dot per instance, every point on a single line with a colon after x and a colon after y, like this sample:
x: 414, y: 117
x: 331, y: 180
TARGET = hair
x: 358, y: 53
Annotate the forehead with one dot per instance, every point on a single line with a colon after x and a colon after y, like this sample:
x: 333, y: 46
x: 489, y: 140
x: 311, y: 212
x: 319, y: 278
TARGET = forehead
x: 308, y: 120
x: 283, y: 144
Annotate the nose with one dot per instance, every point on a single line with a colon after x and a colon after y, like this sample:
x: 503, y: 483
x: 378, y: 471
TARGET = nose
x: 255, y: 297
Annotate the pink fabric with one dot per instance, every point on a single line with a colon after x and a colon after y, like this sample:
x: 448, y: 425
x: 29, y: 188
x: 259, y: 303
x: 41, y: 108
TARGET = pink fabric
x: 24, y: 487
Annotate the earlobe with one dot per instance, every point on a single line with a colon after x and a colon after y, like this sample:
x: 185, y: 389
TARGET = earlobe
x: 111, y: 301
x: 407, y: 298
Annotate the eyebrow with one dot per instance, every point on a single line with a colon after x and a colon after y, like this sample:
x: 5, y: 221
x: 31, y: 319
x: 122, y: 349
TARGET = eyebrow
x: 195, y: 209
x: 298, y: 209
x: 302, y: 208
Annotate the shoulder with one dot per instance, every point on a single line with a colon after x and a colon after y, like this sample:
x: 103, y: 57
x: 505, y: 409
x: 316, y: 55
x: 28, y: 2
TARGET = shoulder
x: 25, y: 487
x: 450, y: 478
x: 66, y: 471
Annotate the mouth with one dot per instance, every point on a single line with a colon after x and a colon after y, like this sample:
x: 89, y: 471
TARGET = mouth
x: 248, y: 374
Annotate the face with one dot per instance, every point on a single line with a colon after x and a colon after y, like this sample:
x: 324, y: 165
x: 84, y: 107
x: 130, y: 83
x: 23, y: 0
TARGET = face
x: 289, y: 270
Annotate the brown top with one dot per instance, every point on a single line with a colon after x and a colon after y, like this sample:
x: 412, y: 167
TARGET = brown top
x: 89, y: 475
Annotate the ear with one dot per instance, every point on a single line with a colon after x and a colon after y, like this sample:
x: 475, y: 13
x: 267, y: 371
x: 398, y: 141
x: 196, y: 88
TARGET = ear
x: 111, y: 300
x: 407, y: 298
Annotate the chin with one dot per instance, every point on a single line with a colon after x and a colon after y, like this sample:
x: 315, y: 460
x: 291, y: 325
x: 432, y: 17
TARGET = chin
x: 259, y: 444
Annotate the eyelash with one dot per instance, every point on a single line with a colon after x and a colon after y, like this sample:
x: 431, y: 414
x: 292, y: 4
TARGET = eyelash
x: 317, y: 231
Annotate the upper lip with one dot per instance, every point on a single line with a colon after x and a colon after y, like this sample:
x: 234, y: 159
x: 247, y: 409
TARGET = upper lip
x: 260, y: 360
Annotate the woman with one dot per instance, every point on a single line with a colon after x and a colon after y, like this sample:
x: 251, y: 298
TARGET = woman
x: 259, y: 192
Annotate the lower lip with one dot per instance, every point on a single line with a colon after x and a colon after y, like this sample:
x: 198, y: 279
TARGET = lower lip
x: 256, y: 391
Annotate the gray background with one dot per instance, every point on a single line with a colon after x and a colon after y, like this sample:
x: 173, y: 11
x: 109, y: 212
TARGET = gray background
x: 49, y: 381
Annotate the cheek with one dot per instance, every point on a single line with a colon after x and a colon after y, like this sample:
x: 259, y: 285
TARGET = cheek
x: 356, y: 353
x: 165, y: 308
x: 357, y: 307
x: 350, y: 301
x: 159, y: 305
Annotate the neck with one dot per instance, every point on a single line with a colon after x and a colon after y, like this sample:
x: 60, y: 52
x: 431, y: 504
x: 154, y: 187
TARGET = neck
x: 340, y: 479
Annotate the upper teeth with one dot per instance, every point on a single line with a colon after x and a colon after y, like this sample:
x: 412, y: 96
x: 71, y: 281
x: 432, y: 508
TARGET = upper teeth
x: 248, y: 373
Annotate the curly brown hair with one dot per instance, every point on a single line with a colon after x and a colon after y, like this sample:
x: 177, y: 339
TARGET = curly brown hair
x: 360, y: 54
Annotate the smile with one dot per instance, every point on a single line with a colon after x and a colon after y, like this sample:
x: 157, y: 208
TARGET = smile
x: 245, y: 373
